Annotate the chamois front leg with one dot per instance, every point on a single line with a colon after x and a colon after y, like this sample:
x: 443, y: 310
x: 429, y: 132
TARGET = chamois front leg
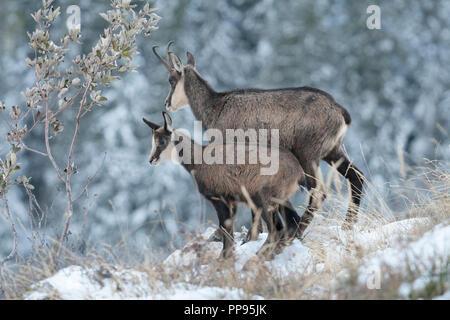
x: 290, y: 216
x: 217, y: 236
x: 226, y: 224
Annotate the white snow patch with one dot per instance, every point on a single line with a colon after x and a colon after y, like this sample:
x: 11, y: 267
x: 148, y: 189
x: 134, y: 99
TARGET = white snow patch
x: 200, y: 251
x: 336, y: 245
x: 445, y: 296
x: 78, y: 283
x: 425, y: 256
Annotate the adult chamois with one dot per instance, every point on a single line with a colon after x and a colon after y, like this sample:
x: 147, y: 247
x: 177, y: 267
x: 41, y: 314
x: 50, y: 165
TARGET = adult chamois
x: 312, y: 125
x: 226, y: 185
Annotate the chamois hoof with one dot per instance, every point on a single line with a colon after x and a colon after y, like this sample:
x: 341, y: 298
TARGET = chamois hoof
x: 279, y: 248
x: 300, y: 234
x: 216, y: 236
x: 249, y: 237
x: 291, y: 234
x: 254, y: 263
x: 227, y: 254
x: 348, y: 224
x: 346, y: 227
x: 267, y: 251
x: 285, y: 242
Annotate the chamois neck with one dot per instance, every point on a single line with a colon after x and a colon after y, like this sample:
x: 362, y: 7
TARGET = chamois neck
x: 187, y: 160
x: 201, y: 96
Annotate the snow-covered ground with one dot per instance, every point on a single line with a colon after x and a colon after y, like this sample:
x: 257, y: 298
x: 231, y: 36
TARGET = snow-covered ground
x: 78, y: 283
x: 396, y: 246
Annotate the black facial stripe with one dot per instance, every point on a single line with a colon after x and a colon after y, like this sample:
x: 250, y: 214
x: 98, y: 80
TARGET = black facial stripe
x: 157, y: 153
x: 169, y: 98
x: 161, y: 148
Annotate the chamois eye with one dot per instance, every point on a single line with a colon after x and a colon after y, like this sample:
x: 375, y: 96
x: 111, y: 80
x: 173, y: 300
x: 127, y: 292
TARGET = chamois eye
x: 163, y: 142
x: 172, y: 81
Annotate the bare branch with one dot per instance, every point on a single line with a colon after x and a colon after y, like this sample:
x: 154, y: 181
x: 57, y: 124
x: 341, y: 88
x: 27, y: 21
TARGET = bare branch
x: 32, y: 150
x: 90, y: 180
x: 7, y: 215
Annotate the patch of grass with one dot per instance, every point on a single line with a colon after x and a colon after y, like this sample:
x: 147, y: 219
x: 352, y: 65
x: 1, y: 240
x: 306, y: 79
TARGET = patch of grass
x: 337, y: 278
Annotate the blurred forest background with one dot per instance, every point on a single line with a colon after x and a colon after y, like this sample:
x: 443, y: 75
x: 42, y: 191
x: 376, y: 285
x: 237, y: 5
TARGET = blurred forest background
x: 394, y: 81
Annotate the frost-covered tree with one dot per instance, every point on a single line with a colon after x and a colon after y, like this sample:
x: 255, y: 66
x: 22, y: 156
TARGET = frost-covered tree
x: 72, y: 89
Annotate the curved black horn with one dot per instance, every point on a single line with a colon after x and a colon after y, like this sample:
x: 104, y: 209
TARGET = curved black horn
x: 168, y: 67
x: 167, y: 53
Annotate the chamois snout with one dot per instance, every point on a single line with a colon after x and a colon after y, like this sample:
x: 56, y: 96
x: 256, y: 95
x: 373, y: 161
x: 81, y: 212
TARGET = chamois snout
x: 166, y: 103
x: 153, y: 160
x: 155, y: 154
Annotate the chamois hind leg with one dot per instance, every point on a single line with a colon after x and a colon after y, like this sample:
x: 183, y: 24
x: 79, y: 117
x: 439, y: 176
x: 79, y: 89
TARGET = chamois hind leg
x: 356, y: 179
x: 290, y: 216
x: 316, y: 195
x: 226, y: 223
x: 274, y: 243
x: 252, y: 236
x: 274, y: 226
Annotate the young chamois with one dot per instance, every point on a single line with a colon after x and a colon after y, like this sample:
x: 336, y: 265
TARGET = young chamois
x: 227, y: 185
x: 312, y: 125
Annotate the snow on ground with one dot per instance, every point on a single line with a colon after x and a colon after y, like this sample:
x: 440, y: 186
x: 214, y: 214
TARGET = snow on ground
x: 78, y: 283
x: 323, y: 247
x: 335, y: 247
x: 431, y: 251
x: 199, y: 251
x: 445, y: 296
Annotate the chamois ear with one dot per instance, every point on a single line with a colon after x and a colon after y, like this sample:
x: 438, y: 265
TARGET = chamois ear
x: 152, y: 125
x: 190, y: 59
x: 167, y: 122
x: 176, y: 62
